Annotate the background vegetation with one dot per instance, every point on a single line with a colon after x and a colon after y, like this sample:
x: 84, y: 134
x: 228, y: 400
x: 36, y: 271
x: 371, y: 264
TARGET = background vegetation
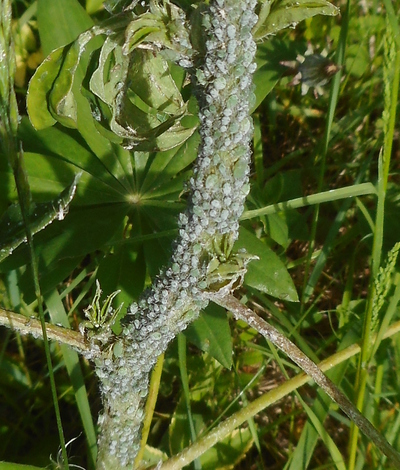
x: 122, y: 221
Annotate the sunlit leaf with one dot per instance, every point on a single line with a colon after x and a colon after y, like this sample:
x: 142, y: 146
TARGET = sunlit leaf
x: 60, y: 22
x: 39, y: 86
x: 159, y: 92
x: 61, y: 100
x: 288, y: 13
x: 147, y: 114
x: 268, y: 274
x: 60, y: 153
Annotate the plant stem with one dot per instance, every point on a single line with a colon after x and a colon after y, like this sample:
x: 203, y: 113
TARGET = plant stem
x: 32, y: 326
x: 325, y: 196
x: 391, y: 84
x: 207, y: 230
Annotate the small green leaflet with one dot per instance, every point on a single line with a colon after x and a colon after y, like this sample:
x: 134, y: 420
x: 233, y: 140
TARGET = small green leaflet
x: 267, y: 274
x: 278, y: 15
x: 12, y: 228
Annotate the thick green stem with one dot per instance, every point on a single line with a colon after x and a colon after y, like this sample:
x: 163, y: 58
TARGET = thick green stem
x: 207, y: 231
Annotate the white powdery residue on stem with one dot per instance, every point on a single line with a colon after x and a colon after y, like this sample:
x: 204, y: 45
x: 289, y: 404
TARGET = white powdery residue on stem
x: 218, y: 190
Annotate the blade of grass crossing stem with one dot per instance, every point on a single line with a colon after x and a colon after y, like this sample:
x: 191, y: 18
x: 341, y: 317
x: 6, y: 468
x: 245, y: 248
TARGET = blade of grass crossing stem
x: 241, y: 312
x: 317, y: 423
x: 58, y: 315
x: 186, y: 392
x: 150, y: 406
x: 391, y: 76
x: 333, y: 99
x: 13, y: 149
x: 284, y: 320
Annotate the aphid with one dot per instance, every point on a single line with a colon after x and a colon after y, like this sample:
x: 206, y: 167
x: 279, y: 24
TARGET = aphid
x: 231, y: 31
x: 240, y: 169
x: 220, y: 83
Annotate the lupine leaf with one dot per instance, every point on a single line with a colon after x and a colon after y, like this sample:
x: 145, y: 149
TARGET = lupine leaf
x: 288, y: 13
x: 39, y: 86
x: 211, y: 333
x: 268, y: 274
x: 60, y: 22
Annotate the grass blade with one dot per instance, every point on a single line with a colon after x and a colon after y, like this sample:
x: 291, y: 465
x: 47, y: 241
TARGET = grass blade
x: 58, y: 315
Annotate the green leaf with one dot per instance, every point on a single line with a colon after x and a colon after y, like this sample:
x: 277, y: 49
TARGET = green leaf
x: 166, y: 165
x: 211, y: 333
x: 276, y: 227
x: 93, y: 6
x: 288, y: 13
x: 39, y: 85
x: 161, y: 91
x: 265, y: 79
x: 56, y: 85
x: 12, y: 227
x: 268, y: 274
x: 269, y: 70
x: 61, y: 99
x: 148, y: 113
x: 124, y: 269
x: 60, y: 22
x: 85, y: 230
x: 64, y: 152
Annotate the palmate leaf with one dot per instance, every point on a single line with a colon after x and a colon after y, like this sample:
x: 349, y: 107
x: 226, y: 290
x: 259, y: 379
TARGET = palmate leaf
x: 280, y: 14
x: 117, y: 192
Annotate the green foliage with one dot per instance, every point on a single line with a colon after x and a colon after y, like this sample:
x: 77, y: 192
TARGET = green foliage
x: 211, y: 333
x: 142, y: 113
x: 123, y: 218
x: 275, y: 16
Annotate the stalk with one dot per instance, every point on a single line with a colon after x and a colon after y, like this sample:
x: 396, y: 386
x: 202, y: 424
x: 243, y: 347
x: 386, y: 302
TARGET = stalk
x: 391, y: 84
x: 207, y: 231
